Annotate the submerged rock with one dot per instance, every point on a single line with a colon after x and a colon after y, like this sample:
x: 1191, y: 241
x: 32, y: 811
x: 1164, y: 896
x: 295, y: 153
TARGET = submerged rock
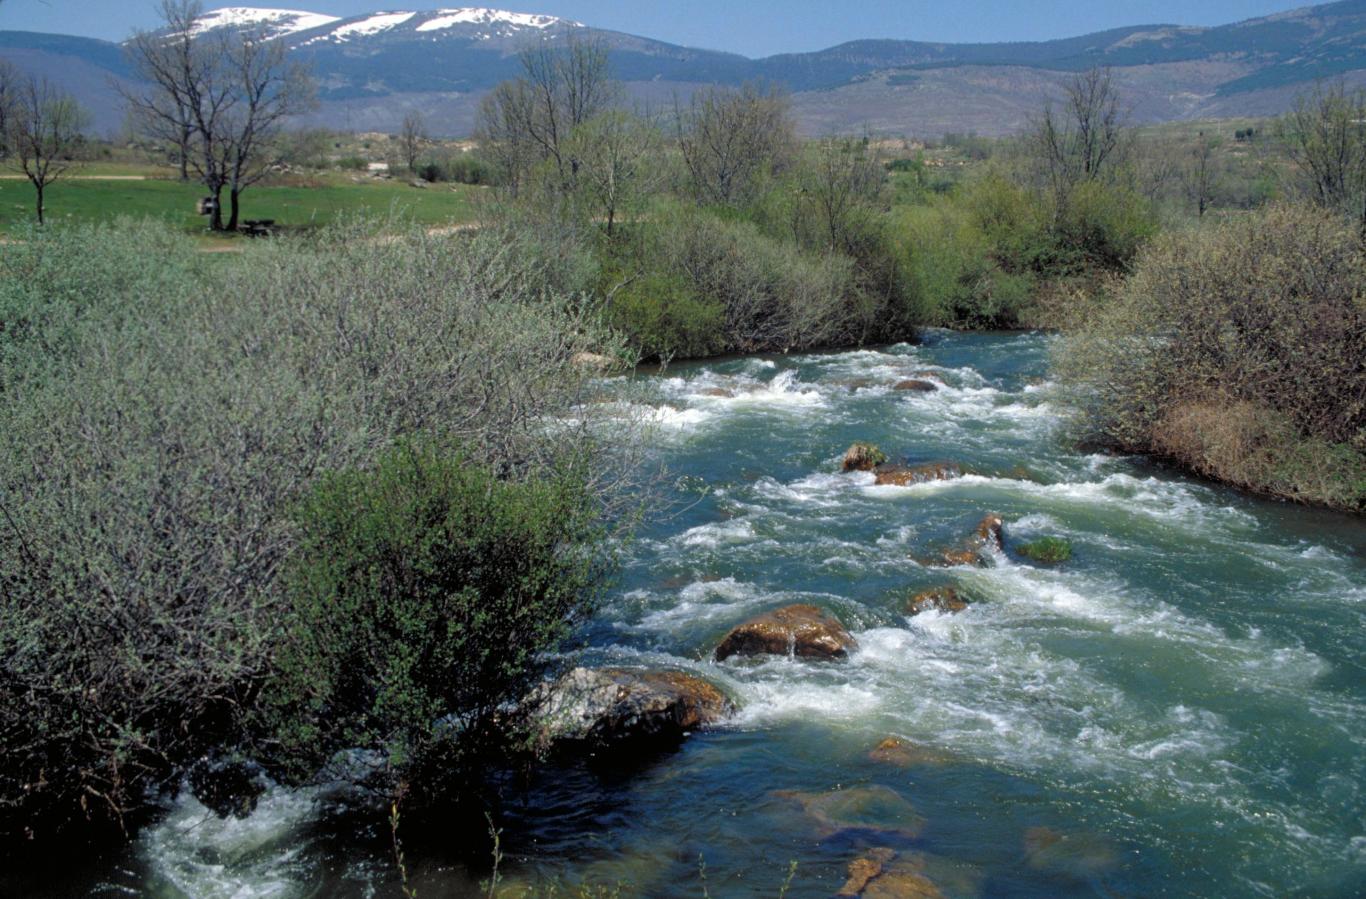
x: 940, y: 599
x: 719, y: 393
x: 863, y: 457
x: 865, y: 869
x: 873, y: 809
x: 802, y: 631
x: 916, y: 385
x: 1080, y: 855
x: 608, y: 706
x: 907, y: 475
x: 905, y: 754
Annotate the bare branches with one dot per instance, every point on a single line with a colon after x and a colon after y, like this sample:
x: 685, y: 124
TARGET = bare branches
x: 731, y: 140
x: 411, y: 138
x: 1326, y: 138
x: 221, y: 97
x: 43, y: 127
x: 1081, y: 141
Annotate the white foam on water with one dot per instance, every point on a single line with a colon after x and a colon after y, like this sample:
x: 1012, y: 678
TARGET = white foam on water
x: 257, y: 857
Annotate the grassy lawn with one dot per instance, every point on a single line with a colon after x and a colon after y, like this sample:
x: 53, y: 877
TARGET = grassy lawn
x: 293, y: 206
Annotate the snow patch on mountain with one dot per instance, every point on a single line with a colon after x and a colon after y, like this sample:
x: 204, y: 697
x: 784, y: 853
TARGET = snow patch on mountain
x: 279, y: 22
x: 475, y: 15
x: 371, y: 25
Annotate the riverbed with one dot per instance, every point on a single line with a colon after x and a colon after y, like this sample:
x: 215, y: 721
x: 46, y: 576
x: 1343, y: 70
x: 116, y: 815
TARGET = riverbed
x: 1180, y: 709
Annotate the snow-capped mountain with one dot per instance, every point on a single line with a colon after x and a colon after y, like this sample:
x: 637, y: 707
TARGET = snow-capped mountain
x: 372, y: 69
x: 308, y: 29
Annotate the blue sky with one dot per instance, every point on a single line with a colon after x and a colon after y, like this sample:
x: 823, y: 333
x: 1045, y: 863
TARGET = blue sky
x: 752, y: 27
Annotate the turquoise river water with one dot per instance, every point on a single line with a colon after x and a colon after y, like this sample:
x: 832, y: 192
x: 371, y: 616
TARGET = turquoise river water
x: 1180, y: 710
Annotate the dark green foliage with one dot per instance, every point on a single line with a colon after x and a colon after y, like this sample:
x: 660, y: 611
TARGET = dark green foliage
x: 352, y: 164
x: 462, y: 168
x: 422, y: 598
x: 1048, y: 550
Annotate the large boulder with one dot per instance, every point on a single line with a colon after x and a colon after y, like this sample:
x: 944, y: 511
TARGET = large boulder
x: 863, y: 457
x: 908, y: 475
x: 940, y: 599
x: 612, y: 706
x: 803, y: 631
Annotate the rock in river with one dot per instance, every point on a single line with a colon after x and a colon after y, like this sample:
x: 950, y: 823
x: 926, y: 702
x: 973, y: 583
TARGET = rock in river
x: 905, y: 476
x: 803, y: 631
x: 859, y: 810
x: 988, y: 536
x: 905, y: 754
x: 863, y: 457
x: 940, y: 599
x: 611, y: 706
x: 916, y: 385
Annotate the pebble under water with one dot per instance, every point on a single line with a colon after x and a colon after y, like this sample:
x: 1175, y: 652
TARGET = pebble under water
x: 1180, y: 709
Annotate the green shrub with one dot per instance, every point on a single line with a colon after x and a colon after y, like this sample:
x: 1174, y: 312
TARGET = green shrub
x: 664, y: 317
x: 1100, y: 227
x: 423, y: 598
x: 1236, y: 350
x: 1049, y: 550
x: 165, y: 409
x: 353, y: 164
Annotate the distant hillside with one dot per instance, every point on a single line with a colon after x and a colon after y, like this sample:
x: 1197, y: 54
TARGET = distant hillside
x: 373, y: 68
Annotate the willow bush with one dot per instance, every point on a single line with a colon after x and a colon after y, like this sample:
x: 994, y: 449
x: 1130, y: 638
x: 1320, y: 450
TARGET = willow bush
x: 1238, y: 351
x: 164, y: 411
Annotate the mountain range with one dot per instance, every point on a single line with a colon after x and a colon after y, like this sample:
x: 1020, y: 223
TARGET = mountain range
x: 371, y: 69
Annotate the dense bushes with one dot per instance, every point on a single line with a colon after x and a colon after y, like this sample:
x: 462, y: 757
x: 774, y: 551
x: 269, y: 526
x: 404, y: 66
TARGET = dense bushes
x: 164, y: 411
x: 1240, y: 352
x: 709, y: 284
x: 420, y: 602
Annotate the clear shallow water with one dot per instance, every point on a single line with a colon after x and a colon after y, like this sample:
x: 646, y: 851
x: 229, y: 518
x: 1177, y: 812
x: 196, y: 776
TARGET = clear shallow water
x: 1185, y: 700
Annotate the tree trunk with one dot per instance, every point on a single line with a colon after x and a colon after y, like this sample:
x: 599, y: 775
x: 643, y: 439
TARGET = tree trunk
x: 216, y: 223
x: 39, y: 186
x: 233, y: 196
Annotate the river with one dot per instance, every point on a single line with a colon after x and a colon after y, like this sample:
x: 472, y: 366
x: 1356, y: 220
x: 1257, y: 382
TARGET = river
x: 1178, y: 710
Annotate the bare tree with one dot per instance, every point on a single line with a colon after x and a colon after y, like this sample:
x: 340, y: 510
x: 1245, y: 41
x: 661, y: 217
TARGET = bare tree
x: 44, y: 127
x: 840, y: 177
x: 530, y: 120
x: 412, y: 136
x: 614, y: 154
x: 222, y: 96
x: 1081, y: 140
x: 1326, y: 137
x: 9, y: 92
x: 731, y: 139
x: 1198, y: 175
x: 170, y: 72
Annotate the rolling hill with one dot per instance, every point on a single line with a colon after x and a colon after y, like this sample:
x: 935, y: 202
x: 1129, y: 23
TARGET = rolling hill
x: 373, y: 68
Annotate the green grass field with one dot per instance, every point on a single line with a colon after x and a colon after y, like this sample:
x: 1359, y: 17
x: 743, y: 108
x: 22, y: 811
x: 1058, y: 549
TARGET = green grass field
x: 86, y: 199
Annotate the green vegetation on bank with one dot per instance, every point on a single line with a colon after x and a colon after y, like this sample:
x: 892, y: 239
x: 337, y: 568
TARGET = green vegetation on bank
x: 186, y: 440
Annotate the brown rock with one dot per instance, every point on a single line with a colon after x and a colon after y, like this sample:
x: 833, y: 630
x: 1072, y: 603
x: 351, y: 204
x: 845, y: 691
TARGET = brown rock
x: 905, y: 475
x: 720, y: 392
x: 989, y: 531
x: 804, y: 631
x: 881, y: 874
x: 940, y: 599
x: 916, y: 385
x: 863, y: 457
x: 905, y: 754
x: 863, y: 870
x: 605, y: 706
x: 989, y: 535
